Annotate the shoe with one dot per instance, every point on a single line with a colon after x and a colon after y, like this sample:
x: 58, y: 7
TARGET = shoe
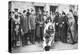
x: 47, y: 48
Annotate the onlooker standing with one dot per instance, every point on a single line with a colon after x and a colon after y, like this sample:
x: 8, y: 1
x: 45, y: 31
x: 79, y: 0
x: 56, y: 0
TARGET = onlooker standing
x: 39, y: 26
x: 56, y: 18
x: 25, y: 27
x: 28, y: 14
x: 63, y: 33
x: 11, y: 30
x: 16, y: 18
x: 25, y: 24
x: 32, y: 25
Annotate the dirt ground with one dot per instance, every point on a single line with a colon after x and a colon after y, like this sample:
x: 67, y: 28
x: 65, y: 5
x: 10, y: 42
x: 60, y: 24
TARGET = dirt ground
x: 38, y: 47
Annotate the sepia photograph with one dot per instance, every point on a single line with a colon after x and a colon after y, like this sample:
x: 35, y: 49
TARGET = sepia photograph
x: 39, y: 27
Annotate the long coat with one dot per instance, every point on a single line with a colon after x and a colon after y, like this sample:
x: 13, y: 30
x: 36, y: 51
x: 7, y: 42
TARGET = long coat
x: 39, y: 19
x: 72, y: 25
x: 25, y: 23
x: 32, y: 21
x: 64, y: 28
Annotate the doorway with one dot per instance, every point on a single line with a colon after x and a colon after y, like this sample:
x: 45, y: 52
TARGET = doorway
x: 39, y: 7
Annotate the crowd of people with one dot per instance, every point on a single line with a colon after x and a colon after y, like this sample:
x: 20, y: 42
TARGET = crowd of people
x: 28, y: 27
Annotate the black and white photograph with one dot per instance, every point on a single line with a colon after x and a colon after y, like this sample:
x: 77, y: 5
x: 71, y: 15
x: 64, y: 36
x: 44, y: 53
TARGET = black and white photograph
x: 39, y: 27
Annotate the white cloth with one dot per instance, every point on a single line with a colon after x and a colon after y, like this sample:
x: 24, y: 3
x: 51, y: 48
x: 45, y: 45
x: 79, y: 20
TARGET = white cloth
x: 51, y: 40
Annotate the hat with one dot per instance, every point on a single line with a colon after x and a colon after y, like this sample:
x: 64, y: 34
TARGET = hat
x: 24, y: 11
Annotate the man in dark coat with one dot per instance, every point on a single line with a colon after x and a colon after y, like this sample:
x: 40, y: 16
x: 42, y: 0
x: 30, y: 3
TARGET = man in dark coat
x: 63, y: 27
x: 56, y: 18
x: 32, y: 26
x: 12, y: 42
x: 39, y: 26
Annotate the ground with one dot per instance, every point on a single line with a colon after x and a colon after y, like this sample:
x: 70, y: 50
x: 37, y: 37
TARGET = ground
x: 38, y: 47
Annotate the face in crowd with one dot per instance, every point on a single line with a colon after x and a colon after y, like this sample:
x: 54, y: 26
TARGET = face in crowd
x: 39, y: 12
x: 24, y: 11
x: 16, y: 10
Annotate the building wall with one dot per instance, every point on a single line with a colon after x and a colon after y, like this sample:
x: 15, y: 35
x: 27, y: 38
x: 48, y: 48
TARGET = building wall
x: 22, y: 5
x: 28, y: 5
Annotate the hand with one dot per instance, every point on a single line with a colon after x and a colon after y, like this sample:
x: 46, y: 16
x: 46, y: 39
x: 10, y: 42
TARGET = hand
x: 62, y: 22
x: 56, y: 23
x: 41, y: 22
x: 22, y: 32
